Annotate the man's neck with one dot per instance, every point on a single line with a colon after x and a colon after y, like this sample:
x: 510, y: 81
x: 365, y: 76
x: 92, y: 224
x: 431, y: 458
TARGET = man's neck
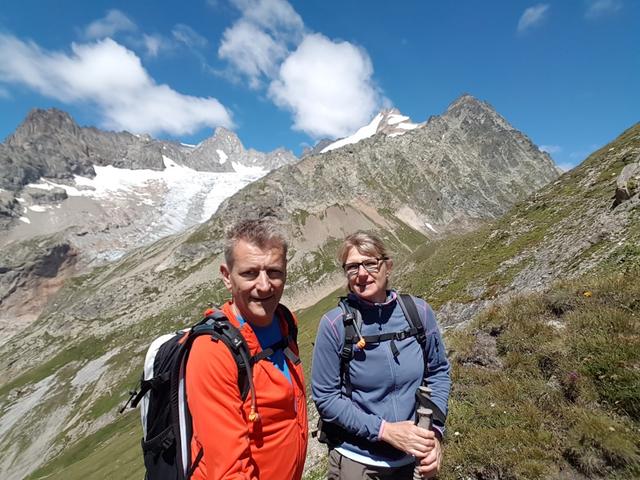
x: 251, y: 322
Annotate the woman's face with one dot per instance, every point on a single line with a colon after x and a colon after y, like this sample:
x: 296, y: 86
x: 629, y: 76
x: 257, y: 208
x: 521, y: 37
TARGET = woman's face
x: 367, y: 275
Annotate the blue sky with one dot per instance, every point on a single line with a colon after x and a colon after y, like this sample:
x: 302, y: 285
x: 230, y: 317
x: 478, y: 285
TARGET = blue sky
x: 279, y: 73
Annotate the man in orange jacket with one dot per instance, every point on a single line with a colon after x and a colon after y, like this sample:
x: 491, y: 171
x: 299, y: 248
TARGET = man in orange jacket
x: 263, y: 437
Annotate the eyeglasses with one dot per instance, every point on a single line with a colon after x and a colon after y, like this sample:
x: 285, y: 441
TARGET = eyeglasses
x: 371, y: 266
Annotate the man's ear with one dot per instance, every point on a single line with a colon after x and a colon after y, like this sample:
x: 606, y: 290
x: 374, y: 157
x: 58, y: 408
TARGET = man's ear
x: 226, y: 275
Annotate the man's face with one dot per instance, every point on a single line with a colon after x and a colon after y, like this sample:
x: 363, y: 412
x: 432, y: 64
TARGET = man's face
x: 256, y: 280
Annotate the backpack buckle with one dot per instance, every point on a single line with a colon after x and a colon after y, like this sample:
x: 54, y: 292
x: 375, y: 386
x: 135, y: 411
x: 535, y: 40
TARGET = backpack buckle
x: 402, y: 335
x: 348, y: 318
x: 347, y: 352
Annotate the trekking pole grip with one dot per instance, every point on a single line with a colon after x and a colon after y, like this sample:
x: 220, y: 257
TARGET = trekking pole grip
x: 424, y: 421
x: 425, y: 418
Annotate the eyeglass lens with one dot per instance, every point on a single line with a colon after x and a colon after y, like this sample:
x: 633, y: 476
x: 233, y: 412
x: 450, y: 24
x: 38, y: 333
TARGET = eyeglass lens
x: 371, y: 266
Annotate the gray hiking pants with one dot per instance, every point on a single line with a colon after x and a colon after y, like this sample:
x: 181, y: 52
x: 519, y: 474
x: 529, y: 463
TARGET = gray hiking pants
x: 343, y: 468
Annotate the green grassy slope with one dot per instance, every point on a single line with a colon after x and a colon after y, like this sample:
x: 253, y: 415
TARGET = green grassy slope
x: 557, y: 389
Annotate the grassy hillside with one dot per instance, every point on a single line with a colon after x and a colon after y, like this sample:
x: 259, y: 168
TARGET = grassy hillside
x: 547, y: 385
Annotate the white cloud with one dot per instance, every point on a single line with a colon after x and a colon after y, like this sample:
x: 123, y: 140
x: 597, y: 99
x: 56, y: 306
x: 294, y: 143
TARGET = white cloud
x: 153, y: 44
x: 327, y: 86
x: 551, y: 148
x: 257, y: 42
x: 533, y: 16
x: 277, y: 16
x: 114, y: 21
x: 251, y: 51
x: 601, y: 8
x: 112, y: 78
x: 187, y: 35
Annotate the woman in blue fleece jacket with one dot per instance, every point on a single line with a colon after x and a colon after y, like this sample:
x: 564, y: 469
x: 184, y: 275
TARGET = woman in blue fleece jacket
x: 371, y: 431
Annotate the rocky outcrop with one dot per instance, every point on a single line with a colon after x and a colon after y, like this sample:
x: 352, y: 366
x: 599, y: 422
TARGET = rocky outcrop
x: 9, y: 207
x: 40, y: 196
x: 628, y: 183
x: 30, y: 274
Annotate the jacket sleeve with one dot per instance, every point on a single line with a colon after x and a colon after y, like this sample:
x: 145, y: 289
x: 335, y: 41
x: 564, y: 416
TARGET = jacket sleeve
x: 332, y: 405
x: 219, y: 422
x: 438, y: 370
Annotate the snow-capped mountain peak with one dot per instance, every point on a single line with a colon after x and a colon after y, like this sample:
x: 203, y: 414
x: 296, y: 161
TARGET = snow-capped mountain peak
x: 388, y: 122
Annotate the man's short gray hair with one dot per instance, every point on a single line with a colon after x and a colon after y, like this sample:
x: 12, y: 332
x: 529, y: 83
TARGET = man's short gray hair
x: 259, y: 232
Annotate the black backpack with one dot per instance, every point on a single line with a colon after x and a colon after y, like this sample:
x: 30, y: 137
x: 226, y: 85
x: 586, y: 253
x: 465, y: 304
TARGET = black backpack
x: 166, y: 421
x: 332, y: 434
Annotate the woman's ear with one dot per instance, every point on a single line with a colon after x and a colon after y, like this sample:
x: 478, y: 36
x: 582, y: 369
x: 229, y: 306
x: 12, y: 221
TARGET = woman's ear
x: 389, y: 265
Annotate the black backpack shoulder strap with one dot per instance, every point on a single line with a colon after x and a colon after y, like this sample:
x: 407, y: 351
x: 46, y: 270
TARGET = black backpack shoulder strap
x: 284, y: 343
x: 352, y: 320
x: 218, y: 326
x: 408, y: 306
x: 292, y: 328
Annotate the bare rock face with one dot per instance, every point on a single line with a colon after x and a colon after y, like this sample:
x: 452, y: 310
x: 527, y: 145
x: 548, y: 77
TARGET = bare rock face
x: 220, y: 152
x: 9, y: 207
x: 39, y: 196
x: 628, y: 183
x: 30, y: 274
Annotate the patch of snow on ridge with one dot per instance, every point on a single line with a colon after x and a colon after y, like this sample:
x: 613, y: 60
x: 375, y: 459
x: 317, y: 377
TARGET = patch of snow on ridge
x: 25, y: 220
x: 223, y: 156
x: 37, y: 208
x: 430, y: 227
x: 395, y: 118
x: 256, y: 171
x: 364, y: 132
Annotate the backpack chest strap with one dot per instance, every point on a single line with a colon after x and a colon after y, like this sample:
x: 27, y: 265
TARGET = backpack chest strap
x: 385, y: 337
x: 282, y: 344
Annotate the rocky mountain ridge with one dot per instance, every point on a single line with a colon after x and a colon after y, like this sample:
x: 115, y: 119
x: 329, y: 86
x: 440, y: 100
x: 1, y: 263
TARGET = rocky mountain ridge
x: 49, y: 144
x: 459, y: 168
x: 586, y: 221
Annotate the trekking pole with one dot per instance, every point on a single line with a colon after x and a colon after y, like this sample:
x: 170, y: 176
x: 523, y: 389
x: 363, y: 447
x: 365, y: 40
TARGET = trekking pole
x: 425, y: 418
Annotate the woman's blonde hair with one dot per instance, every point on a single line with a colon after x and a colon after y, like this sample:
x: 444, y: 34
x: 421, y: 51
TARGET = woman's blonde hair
x: 366, y: 243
